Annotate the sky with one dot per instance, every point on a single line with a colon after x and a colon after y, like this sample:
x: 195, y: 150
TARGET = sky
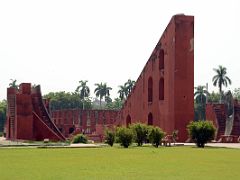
x: 57, y: 43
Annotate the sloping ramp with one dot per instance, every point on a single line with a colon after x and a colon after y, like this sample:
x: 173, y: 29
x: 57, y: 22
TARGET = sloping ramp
x: 221, y: 119
x: 236, y: 122
x: 42, y: 118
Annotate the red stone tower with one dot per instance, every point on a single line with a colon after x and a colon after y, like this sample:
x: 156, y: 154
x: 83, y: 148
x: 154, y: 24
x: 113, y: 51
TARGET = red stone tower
x: 164, y: 92
x: 27, y: 115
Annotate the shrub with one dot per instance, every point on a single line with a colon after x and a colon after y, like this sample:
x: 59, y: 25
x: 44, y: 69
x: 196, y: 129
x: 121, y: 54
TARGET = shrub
x: 155, y: 136
x: 201, y: 132
x: 79, y: 138
x: 110, y: 137
x: 125, y: 136
x: 140, y: 132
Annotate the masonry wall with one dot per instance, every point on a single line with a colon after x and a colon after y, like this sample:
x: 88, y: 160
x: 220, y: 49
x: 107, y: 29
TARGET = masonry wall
x: 164, y: 92
x: 84, y: 121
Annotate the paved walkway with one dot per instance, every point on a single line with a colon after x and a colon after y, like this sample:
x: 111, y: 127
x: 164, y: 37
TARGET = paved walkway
x: 225, y: 145
x: 5, y: 142
x: 11, y: 144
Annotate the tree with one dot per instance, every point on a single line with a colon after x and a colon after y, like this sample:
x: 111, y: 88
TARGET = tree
x: 236, y: 93
x: 123, y: 92
x: 83, y: 91
x: 200, y: 99
x: 125, y: 136
x: 200, y: 94
x: 129, y: 85
x: 221, y: 79
x: 115, y: 105
x: 108, y: 99
x: 155, y: 136
x: 102, y: 90
x: 214, y: 97
x: 140, y: 133
x: 67, y: 100
x: 201, y: 132
x: 125, y: 89
x: 110, y: 137
x: 13, y: 83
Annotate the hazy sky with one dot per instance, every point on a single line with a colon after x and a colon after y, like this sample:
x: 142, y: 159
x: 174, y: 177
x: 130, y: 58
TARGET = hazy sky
x: 56, y: 43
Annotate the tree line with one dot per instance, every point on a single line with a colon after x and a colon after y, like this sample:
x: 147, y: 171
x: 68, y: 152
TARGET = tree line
x: 81, y: 99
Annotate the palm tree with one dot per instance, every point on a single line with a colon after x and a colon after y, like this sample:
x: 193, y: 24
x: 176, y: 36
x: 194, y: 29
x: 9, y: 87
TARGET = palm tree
x: 200, y: 94
x: 123, y: 92
x: 129, y: 84
x: 102, y: 90
x: 13, y: 83
x: 200, y: 98
x: 83, y: 90
x: 220, y: 79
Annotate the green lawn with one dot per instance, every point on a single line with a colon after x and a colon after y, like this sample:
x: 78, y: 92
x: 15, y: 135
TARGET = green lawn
x: 118, y: 163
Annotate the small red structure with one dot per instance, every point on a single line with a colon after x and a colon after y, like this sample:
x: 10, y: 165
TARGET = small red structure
x: 228, y: 128
x: 27, y: 116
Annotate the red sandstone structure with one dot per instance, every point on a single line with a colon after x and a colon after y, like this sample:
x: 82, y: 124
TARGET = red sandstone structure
x: 28, y: 117
x: 90, y: 122
x: 162, y: 96
x: 228, y: 126
x: 164, y: 92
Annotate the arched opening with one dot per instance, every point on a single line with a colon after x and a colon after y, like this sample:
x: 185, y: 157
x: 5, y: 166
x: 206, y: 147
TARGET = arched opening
x: 128, y: 120
x: 71, y: 129
x: 150, y: 89
x: 161, y: 59
x: 161, y: 89
x: 150, y: 119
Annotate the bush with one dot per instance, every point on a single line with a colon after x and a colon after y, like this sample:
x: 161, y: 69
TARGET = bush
x: 201, y: 132
x: 155, y: 136
x: 110, y: 137
x: 140, y: 132
x: 125, y: 136
x: 79, y: 138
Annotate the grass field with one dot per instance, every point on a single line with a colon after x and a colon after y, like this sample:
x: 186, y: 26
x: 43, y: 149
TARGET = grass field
x: 118, y: 163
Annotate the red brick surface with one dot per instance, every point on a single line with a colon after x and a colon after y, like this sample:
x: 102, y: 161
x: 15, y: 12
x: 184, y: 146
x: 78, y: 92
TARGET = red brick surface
x: 176, y: 79
x: 27, y: 117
